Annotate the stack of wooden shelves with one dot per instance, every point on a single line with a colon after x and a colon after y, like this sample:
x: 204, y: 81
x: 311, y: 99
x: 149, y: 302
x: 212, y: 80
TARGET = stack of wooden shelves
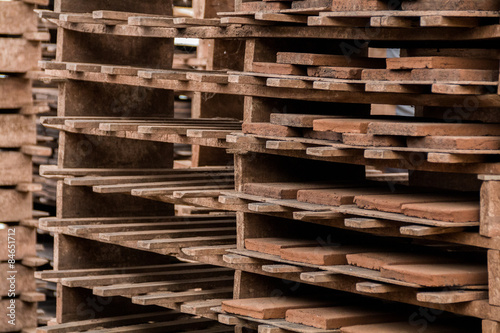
x: 20, y: 51
x: 335, y: 216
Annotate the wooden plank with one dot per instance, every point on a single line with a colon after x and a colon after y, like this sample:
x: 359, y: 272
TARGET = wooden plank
x: 185, y: 296
x: 15, y: 168
x: 452, y: 297
x: 441, y: 275
x: 16, y: 18
x: 441, y: 63
x: 174, y: 244
x: 274, y: 68
x: 432, y: 129
x: 22, y: 56
x: 133, y: 289
x: 312, y: 59
x: 15, y: 93
x: 268, y: 307
x: 26, y: 316
x: 17, y: 130
x: 275, y: 17
x: 14, y: 206
x: 144, y: 226
x: 102, y: 280
x: 420, y: 230
x: 162, y: 234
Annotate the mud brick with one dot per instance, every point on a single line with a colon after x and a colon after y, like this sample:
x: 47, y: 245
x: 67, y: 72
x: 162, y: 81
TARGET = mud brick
x: 368, y: 140
x: 394, y: 202
x: 267, y: 307
x: 405, y: 327
x: 442, y: 63
x: 273, y: 68
x: 336, y: 317
x: 376, y: 260
x: 267, y: 129
x: 275, y: 245
x: 255, y: 6
x: 442, y: 275
x: 454, y: 75
x: 432, y: 129
x: 335, y: 196
x: 386, y: 75
x: 320, y: 255
x: 332, y: 136
x: 313, y: 59
x: 451, y: 5
x: 445, y: 211
x: 455, y: 142
x: 353, y: 73
x: 359, y: 5
x: 281, y: 190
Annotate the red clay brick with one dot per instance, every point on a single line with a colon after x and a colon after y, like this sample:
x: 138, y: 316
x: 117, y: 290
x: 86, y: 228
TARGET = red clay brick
x: 275, y: 245
x: 442, y: 275
x: 336, y: 317
x: 267, y: 307
x: 445, y: 211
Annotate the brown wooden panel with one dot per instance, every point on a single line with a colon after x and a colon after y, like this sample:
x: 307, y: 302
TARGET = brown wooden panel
x: 16, y: 18
x: 16, y: 131
x: 17, y: 55
x: 14, y: 93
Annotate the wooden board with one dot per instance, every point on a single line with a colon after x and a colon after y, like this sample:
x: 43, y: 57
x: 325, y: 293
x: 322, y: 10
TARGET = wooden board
x: 25, y: 242
x: 17, y: 130
x: 23, y: 55
x: 16, y: 18
x: 26, y: 315
x: 15, y: 206
x: 15, y: 168
x: 15, y: 93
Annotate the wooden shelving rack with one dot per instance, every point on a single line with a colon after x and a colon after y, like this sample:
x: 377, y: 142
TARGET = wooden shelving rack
x: 333, y: 199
